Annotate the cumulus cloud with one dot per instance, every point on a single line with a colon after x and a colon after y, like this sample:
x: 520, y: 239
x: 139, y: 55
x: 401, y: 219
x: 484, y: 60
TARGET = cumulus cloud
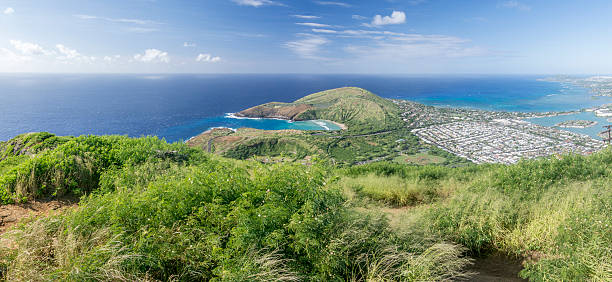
x: 207, y: 58
x: 396, y: 17
x: 308, y: 47
x: 332, y: 3
x: 152, y: 56
x: 257, y: 3
x: 9, y: 11
x: 28, y: 48
x: 314, y: 24
x: 515, y: 5
x: 71, y: 55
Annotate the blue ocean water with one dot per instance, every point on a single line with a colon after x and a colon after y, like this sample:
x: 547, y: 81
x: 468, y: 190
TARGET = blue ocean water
x: 177, y: 107
x: 592, y: 131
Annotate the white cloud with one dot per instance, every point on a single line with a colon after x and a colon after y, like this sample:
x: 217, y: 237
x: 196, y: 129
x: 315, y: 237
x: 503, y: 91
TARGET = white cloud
x: 414, y: 46
x: 67, y: 52
x: 319, y: 30
x: 111, y: 59
x: 309, y: 47
x: 515, y: 5
x: 152, y: 56
x: 306, y: 17
x: 332, y: 3
x: 9, y: 11
x: 257, y: 3
x: 71, y: 55
x: 28, y: 48
x: 189, y: 44
x: 358, y: 17
x: 11, y: 57
x: 208, y: 58
x: 116, y: 20
x: 314, y: 24
x: 396, y: 17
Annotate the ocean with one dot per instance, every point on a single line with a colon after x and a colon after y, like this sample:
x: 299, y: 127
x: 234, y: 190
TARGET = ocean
x: 177, y: 107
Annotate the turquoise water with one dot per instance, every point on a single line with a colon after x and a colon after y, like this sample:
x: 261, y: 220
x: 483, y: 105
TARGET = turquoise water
x: 590, y: 131
x: 234, y: 123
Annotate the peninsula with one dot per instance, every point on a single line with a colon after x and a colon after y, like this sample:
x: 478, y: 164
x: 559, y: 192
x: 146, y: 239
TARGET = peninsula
x: 396, y: 130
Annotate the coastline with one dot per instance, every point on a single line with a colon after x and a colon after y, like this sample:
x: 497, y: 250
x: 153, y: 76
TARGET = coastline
x: 341, y: 125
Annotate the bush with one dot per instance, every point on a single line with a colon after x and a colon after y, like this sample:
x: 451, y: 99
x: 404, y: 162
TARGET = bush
x: 75, y: 165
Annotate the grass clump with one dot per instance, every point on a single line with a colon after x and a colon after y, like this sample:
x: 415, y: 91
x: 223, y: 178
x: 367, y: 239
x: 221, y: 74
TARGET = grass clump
x: 74, y: 165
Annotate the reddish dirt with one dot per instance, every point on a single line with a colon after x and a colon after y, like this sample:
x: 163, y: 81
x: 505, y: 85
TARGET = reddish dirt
x: 11, y: 215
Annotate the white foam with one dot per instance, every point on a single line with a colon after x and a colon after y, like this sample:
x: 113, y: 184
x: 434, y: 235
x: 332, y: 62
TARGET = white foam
x: 234, y: 116
x: 321, y: 124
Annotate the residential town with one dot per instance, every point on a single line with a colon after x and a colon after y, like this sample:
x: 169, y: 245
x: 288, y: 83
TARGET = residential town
x: 491, y: 137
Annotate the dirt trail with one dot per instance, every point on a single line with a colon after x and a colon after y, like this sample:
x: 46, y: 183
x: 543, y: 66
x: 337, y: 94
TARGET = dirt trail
x: 10, y: 215
x: 496, y: 267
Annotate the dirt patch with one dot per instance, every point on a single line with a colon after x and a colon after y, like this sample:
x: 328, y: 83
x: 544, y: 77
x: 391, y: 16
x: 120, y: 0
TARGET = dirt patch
x: 496, y: 267
x: 10, y: 215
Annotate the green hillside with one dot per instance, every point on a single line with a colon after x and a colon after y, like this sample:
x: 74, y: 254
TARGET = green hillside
x: 358, y: 109
x: 156, y: 211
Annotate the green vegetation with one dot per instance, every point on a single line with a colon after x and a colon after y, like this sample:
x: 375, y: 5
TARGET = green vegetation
x: 420, y: 159
x: 51, y: 166
x: 360, y: 110
x: 555, y: 213
x: 158, y: 211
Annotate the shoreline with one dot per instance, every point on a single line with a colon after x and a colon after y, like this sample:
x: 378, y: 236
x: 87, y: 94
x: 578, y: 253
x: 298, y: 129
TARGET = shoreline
x: 341, y: 125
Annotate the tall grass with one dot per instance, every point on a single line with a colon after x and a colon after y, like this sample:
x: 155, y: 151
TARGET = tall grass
x: 204, y: 219
x: 392, y: 190
x: 556, y: 213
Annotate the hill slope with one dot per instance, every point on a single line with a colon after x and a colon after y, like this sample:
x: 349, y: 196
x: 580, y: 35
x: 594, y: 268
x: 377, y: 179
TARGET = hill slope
x: 361, y: 110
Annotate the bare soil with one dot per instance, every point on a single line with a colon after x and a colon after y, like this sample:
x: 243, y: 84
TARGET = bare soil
x: 496, y: 267
x: 10, y: 215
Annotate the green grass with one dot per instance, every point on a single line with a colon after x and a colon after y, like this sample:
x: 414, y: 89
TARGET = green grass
x: 360, y: 110
x: 158, y: 211
x: 419, y: 159
x: 555, y: 213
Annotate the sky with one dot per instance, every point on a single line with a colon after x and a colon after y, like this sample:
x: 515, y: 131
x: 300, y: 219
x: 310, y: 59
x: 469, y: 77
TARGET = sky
x: 306, y: 36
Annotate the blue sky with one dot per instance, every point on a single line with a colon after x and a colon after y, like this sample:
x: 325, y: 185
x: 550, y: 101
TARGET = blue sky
x: 308, y: 36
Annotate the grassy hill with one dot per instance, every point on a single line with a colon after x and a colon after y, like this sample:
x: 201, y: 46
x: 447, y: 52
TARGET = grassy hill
x: 360, y: 110
x: 156, y: 211
x: 375, y: 132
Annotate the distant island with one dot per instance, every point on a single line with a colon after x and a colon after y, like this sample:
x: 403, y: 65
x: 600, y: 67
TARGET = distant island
x: 577, y: 124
